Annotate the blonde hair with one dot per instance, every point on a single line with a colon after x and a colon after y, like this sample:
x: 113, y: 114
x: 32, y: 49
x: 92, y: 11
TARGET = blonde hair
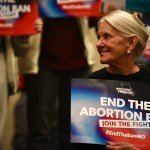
x: 128, y: 24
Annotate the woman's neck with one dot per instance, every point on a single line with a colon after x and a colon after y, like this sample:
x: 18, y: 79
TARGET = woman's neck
x: 127, y: 70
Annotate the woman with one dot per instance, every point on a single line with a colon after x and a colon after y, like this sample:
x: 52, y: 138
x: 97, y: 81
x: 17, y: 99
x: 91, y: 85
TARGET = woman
x: 121, y: 37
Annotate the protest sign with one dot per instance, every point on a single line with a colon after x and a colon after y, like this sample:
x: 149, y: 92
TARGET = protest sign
x: 108, y: 110
x: 17, y: 17
x: 63, y: 8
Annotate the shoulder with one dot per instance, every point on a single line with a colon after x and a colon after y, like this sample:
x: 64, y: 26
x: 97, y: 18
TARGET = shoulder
x: 145, y: 69
x: 99, y: 74
x: 145, y: 73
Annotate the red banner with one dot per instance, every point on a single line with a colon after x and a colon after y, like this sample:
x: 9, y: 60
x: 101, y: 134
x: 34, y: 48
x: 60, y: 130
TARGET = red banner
x: 17, y: 17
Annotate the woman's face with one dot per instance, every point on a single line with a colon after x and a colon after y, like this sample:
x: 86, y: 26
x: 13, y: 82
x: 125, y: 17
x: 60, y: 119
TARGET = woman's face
x: 111, y: 45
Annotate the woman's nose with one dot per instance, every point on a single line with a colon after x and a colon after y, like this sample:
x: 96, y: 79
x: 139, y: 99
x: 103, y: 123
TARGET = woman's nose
x: 100, y: 42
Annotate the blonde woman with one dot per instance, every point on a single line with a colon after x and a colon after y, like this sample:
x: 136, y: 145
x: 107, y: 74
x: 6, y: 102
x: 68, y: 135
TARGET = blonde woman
x: 121, y: 37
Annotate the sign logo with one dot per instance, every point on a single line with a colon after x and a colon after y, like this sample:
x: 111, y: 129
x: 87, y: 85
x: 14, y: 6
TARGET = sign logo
x: 125, y: 89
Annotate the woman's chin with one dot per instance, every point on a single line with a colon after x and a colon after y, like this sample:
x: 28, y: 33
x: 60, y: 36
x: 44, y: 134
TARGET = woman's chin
x: 103, y: 62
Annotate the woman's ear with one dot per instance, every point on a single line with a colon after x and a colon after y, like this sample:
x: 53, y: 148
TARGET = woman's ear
x: 133, y: 40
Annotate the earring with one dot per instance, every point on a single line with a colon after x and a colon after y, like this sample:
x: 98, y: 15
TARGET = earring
x: 128, y: 51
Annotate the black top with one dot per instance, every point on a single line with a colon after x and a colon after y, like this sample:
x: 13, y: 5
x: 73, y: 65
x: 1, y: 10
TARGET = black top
x: 62, y: 46
x: 142, y: 76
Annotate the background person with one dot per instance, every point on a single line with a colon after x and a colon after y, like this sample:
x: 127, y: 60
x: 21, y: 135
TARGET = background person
x: 28, y: 66
x: 66, y: 51
x: 11, y: 48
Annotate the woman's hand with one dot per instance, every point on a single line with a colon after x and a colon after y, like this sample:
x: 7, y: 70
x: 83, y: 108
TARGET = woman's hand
x: 120, y: 146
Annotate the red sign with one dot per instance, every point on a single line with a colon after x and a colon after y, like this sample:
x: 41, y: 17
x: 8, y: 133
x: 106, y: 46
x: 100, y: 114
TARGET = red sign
x: 17, y: 17
x: 63, y: 8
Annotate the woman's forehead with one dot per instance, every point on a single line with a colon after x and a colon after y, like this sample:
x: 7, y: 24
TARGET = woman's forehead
x: 107, y: 28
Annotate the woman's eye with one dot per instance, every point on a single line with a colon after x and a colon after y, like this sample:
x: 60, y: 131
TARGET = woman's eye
x: 107, y: 36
